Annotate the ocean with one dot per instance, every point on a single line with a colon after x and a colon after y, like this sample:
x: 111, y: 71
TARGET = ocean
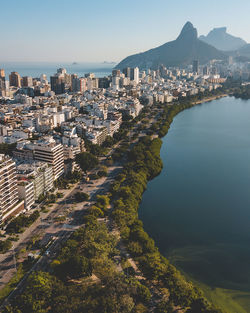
x: 35, y: 69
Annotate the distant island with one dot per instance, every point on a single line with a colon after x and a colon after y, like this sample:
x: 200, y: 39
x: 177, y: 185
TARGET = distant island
x: 74, y: 63
x: 106, y: 62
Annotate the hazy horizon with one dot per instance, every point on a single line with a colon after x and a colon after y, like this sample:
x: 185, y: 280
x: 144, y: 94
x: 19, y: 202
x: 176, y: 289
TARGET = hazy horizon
x: 35, y: 69
x: 80, y: 31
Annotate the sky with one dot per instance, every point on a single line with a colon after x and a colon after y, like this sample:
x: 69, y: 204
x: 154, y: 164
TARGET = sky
x: 107, y: 30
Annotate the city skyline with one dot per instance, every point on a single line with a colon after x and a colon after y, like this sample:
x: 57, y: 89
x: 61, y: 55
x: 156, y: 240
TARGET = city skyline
x: 79, y: 31
x: 125, y: 176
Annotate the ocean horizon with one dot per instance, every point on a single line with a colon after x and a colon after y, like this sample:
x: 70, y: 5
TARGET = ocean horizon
x: 35, y: 69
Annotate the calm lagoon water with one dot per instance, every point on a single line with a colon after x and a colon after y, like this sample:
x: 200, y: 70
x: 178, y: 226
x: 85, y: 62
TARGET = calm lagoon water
x: 198, y: 208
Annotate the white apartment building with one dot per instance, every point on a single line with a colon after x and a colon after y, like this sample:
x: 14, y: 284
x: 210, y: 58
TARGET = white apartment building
x: 97, y: 134
x: 48, y: 151
x: 9, y: 201
x: 134, y: 75
x: 26, y: 193
x: 112, y: 126
x: 40, y: 174
x: 58, y: 118
x: 69, y: 152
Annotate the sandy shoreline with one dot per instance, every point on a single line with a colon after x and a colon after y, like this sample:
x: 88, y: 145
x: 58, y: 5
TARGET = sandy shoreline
x: 211, y: 99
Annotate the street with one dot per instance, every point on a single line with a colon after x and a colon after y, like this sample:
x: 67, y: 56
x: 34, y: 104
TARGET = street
x: 46, y: 226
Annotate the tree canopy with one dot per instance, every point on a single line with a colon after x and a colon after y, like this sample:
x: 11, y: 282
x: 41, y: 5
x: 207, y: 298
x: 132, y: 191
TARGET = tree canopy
x: 86, y: 161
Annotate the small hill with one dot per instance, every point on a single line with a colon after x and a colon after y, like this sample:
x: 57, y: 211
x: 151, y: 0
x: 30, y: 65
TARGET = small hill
x: 180, y: 52
x: 220, y: 39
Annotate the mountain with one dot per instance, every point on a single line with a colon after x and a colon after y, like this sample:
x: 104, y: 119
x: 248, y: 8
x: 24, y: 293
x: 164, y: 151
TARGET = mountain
x: 180, y: 52
x: 240, y: 55
x: 220, y: 39
x: 244, y: 51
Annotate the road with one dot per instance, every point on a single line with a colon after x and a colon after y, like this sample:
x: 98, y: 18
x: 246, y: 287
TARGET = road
x: 45, y: 227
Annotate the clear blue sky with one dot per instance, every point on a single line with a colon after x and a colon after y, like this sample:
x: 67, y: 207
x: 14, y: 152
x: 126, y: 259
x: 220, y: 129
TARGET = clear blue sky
x: 98, y: 30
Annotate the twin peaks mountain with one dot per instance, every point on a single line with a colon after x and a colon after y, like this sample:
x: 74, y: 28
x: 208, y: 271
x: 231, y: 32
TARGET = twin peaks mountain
x: 180, y: 52
x: 220, y: 39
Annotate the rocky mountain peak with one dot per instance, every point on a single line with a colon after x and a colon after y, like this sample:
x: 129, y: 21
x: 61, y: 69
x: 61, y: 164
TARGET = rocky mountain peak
x: 188, y: 32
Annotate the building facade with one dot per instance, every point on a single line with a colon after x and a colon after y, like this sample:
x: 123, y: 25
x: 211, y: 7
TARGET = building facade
x: 9, y: 200
x: 51, y: 153
x: 15, y: 79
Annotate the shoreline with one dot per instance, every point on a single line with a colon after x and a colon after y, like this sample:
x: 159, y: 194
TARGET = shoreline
x: 183, y: 292
x: 207, y: 290
x: 211, y: 99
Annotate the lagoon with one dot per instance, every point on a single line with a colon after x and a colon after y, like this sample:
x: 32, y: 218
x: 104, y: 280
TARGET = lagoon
x: 198, y: 209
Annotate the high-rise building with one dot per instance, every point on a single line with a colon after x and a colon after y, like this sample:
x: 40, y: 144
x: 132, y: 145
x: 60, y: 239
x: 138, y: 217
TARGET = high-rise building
x: 2, y: 81
x: 90, y: 75
x: 116, y: 73
x: 2, y: 73
x: 230, y: 60
x: 126, y: 72
x: 116, y: 82
x: 53, y: 82
x: 214, y: 70
x: 104, y: 82
x: 9, y: 201
x: 67, y: 80
x: 82, y: 84
x: 15, y: 79
x: 43, y: 78
x: 61, y: 71
x: 92, y: 83
x: 134, y: 74
x: 78, y: 84
x: 57, y: 84
x: 50, y: 152
x: 74, y: 83
x: 205, y: 70
x: 60, y: 81
x: 196, y: 66
x: 27, y: 81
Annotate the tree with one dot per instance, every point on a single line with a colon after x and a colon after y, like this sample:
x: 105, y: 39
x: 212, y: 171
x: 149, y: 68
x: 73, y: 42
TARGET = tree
x: 81, y: 196
x: 143, y: 293
x: 102, y: 201
x: 86, y: 161
x: 76, y: 266
x: 97, y: 150
x: 37, y: 294
x: 18, y: 224
x: 135, y: 247
x: 140, y: 308
x: 5, y: 245
x: 109, y: 141
x: 102, y: 173
x: 97, y: 212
